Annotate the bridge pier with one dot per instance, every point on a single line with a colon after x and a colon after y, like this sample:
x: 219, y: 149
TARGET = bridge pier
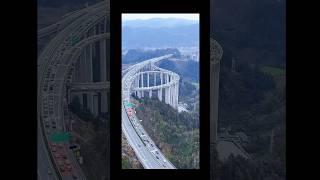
x: 95, y: 104
x: 104, y: 102
x: 137, y: 82
x: 92, y: 67
x: 168, y: 82
x: 90, y: 101
x: 177, y: 94
x: 103, y: 61
x: 159, y: 94
x: 174, y: 96
x: 89, y: 60
x: 167, y: 100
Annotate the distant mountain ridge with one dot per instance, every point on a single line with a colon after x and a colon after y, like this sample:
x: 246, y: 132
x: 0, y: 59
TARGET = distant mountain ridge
x: 160, y: 33
x: 159, y: 22
x: 139, y: 55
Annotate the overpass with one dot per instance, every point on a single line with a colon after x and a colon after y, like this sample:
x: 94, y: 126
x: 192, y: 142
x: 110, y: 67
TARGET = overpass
x: 165, y: 84
x: 69, y: 18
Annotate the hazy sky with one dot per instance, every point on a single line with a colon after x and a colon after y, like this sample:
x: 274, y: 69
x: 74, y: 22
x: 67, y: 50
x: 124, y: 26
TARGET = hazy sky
x: 131, y: 16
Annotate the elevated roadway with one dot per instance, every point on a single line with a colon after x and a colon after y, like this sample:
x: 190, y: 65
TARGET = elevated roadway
x: 147, y: 152
x: 53, y: 68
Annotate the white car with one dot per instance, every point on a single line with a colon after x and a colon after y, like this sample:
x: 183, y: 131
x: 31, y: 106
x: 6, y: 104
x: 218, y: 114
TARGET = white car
x: 49, y: 172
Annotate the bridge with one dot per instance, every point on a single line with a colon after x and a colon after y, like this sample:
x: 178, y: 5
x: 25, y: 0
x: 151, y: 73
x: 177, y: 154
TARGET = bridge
x: 145, y: 78
x: 68, y: 62
x: 69, y: 18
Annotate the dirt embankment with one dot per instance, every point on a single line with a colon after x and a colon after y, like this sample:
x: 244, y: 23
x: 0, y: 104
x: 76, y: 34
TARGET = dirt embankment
x: 129, y: 159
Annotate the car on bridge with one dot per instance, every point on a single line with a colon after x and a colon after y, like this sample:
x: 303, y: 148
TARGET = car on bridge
x: 54, y: 149
x: 68, y: 166
x: 47, y: 124
x: 49, y: 172
x: 54, y: 124
x: 56, y: 155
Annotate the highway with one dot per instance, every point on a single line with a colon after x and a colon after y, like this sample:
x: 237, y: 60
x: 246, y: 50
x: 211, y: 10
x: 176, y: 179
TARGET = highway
x: 144, y: 156
x: 44, y: 162
x: 69, y: 18
x: 147, y: 152
x: 53, y: 68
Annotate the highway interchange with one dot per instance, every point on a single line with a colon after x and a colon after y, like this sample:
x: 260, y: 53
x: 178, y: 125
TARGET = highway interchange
x: 55, y: 65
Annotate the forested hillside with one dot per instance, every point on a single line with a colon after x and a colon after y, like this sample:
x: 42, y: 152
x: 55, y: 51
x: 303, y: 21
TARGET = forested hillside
x: 176, y: 134
x: 252, y: 96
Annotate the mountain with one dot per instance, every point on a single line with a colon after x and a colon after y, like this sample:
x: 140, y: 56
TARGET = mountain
x: 253, y: 32
x: 176, y: 134
x: 188, y: 70
x: 139, y: 55
x: 252, y: 95
x: 160, y: 33
x: 158, y: 22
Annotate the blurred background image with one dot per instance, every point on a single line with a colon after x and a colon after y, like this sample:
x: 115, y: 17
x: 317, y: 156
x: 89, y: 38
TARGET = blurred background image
x: 248, y: 83
x: 73, y: 89
x: 251, y: 127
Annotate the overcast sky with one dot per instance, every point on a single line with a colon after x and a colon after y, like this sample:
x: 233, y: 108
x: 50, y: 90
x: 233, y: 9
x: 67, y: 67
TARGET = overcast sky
x: 132, y: 16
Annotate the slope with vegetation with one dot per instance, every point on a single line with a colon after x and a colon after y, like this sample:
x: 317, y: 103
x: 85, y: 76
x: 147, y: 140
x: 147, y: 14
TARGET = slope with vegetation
x: 176, y: 134
x: 252, y: 85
